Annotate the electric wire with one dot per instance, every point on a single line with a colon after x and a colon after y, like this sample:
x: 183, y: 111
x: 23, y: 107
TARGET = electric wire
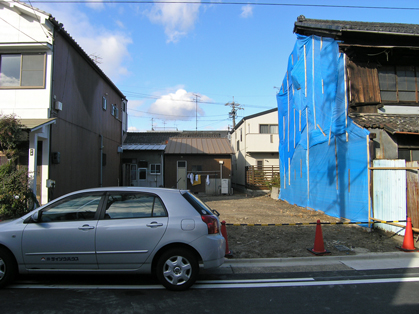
x: 228, y: 3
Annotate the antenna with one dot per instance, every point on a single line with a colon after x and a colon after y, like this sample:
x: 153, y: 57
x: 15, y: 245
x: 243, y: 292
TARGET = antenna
x: 196, y: 111
x: 96, y: 58
x: 233, y: 113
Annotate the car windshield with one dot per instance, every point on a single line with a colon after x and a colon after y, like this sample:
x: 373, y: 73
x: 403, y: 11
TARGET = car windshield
x: 199, y: 205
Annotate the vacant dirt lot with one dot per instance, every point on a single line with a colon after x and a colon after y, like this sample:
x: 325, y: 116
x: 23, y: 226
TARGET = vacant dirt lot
x: 290, y: 241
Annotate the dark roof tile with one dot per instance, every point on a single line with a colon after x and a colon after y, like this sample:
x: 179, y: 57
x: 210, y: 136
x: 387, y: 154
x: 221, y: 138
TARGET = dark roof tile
x: 392, y: 123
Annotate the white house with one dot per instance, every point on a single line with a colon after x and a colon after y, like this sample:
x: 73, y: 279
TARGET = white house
x: 74, y: 115
x: 255, y: 143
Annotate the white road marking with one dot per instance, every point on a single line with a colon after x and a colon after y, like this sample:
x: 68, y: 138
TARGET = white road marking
x: 226, y: 284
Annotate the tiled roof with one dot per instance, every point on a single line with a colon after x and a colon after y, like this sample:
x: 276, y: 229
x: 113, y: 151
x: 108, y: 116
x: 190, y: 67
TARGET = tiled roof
x: 190, y: 145
x: 392, y: 123
x: 149, y: 137
x: 155, y: 137
x: 143, y: 147
x: 338, y: 26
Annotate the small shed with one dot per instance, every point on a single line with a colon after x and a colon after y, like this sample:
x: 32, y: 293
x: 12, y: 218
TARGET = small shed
x: 198, y: 164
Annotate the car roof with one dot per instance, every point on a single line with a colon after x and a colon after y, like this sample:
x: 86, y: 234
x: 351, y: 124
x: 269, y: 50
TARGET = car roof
x: 132, y: 189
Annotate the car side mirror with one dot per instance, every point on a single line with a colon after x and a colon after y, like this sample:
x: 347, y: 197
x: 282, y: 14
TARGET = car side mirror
x: 37, y: 216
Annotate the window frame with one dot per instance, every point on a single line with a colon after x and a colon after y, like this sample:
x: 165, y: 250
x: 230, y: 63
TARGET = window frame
x: 21, y: 71
x: 155, y: 196
x: 269, y: 126
x: 398, y: 89
x: 142, y: 170
x: 104, y: 103
x: 155, y: 165
x: 69, y: 198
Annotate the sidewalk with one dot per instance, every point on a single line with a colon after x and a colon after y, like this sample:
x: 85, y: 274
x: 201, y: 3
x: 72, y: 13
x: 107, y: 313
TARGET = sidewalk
x: 366, y: 261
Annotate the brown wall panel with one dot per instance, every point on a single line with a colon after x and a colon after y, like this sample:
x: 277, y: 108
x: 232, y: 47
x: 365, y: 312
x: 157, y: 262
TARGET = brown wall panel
x: 81, y: 123
x: 209, y: 163
x: 364, y: 86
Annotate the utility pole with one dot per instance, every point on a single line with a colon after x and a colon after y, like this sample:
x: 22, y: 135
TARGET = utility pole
x: 233, y: 113
x: 196, y: 111
x: 152, y: 126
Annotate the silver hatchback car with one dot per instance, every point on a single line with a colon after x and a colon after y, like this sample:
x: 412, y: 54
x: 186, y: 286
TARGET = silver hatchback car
x: 145, y: 230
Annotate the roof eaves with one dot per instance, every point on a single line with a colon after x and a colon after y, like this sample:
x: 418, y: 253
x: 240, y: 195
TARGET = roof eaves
x: 59, y: 27
x: 254, y: 116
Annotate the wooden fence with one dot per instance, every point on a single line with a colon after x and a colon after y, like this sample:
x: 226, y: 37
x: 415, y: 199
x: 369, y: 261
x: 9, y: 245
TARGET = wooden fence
x: 262, y: 178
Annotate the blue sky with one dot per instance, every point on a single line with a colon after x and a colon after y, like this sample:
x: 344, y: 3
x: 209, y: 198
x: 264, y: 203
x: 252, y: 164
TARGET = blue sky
x: 162, y: 55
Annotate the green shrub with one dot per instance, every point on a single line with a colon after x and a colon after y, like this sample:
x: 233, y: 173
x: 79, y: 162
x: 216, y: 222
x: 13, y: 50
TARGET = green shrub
x: 16, y: 198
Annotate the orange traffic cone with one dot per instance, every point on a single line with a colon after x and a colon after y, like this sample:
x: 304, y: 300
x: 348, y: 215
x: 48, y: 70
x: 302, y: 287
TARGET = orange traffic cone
x: 318, y: 242
x: 224, y: 233
x: 408, y: 245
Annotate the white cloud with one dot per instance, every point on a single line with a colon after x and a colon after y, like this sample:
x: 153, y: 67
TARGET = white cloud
x: 180, y: 105
x: 110, y: 46
x: 247, y: 11
x: 177, y: 18
x: 133, y: 129
x: 96, y: 5
x: 112, y: 50
x: 120, y: 24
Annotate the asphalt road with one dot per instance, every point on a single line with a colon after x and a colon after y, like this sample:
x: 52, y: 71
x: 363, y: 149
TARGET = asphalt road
x: 331, y: 285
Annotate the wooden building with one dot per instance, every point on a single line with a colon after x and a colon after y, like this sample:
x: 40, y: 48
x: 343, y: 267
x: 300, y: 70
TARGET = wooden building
x: 199, y: 164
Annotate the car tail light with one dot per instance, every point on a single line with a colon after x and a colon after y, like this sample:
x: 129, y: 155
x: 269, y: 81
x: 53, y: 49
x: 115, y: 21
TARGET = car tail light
x: 212, y: 223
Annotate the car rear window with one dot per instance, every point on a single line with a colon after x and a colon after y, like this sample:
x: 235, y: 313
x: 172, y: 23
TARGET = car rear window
x: 196, y: 203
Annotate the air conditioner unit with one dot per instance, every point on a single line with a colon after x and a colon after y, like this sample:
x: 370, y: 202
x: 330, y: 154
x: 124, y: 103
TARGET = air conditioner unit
x: 58, y: 105
x: 224, y: 186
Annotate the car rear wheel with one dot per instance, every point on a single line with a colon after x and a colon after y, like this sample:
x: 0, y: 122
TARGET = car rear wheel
x: 177, y: 269
x: 7, y: 267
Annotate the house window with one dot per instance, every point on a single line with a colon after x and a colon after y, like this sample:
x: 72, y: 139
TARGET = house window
x: 155, y: 169
x: 259, y: 165
x: 408, y: 154
x: 22, y: 70
x: 268, y: 128
x: 238, y: 145
x: 398, y: 84
x: 142, y: 174
x: 115, y: 111
x: 196, y: 168
x: 241, y: 135
x: 104, y: 103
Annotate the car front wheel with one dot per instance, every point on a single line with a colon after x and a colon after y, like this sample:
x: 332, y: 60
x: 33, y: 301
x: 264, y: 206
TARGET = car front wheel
x: 7, y: 267
x: 177, y: 269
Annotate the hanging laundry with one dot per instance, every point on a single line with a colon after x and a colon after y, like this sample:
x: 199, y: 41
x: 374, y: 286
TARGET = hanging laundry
x: 208, y: 181
x: 197, y: 179
x: 191, y: 177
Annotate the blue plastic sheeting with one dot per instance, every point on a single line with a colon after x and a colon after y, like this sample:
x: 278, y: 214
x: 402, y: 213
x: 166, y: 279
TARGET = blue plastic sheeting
x: 323, y: 154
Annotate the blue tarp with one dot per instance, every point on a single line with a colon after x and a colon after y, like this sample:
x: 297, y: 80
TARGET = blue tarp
x: 323, y: 154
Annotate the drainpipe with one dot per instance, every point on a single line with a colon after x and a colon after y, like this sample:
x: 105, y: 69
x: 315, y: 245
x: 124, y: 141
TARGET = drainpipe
x: 161, y: 170
x: 101, y: 161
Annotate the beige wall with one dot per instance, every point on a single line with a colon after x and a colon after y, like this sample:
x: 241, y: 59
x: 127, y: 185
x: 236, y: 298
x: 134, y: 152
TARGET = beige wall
x: 253, y: 146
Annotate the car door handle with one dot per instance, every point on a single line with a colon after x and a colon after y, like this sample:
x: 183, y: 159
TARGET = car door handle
x: 154, y: 224
x: 86, y: 227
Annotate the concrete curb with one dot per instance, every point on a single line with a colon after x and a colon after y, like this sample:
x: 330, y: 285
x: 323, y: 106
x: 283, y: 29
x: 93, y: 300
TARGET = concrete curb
x: 317, y: 260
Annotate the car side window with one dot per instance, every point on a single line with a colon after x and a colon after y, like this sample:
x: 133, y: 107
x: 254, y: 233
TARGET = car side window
x: 75, y: 207
x: 133, y: 205
x: 158, y: 209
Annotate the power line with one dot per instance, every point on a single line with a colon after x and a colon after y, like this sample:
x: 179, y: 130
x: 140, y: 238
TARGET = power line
x: 226, y: 3
x: 170, y: 115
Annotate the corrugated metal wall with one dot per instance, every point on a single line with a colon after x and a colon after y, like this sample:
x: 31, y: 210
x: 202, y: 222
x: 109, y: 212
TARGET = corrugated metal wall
x: 412, y: 177
x: 389, y: 193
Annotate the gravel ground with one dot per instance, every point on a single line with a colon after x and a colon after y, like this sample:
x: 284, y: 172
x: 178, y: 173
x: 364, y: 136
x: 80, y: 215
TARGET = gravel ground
x: 291, y: 241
